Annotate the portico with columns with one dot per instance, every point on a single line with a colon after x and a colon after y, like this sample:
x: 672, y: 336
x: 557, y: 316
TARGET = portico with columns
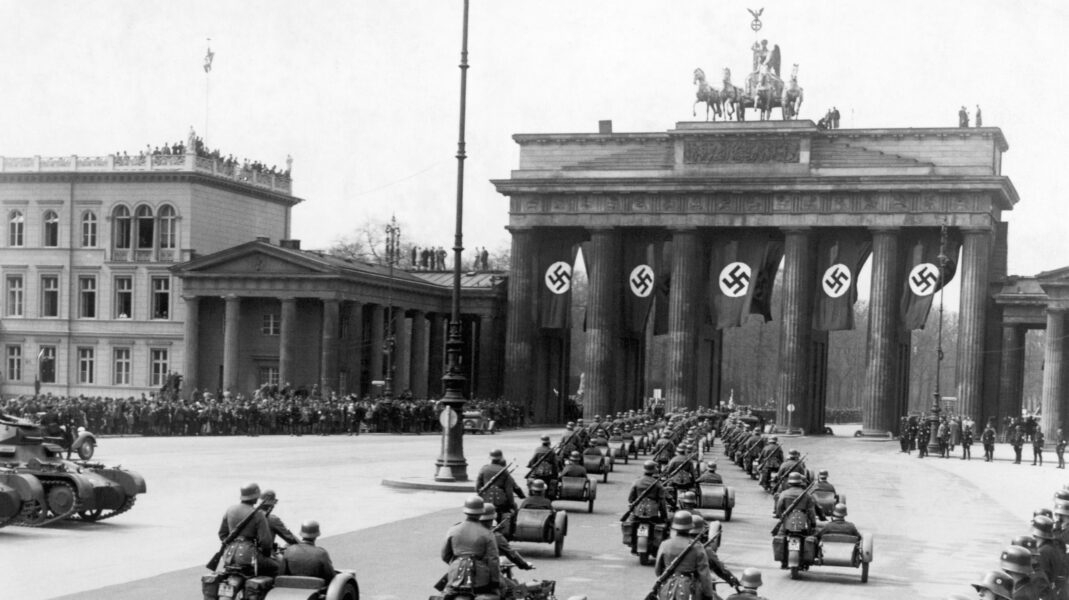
x: 273, y: 313
x: 691, y: 187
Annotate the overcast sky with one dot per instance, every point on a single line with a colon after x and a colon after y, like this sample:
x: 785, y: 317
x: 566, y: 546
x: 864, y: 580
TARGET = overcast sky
x: 364, y: 94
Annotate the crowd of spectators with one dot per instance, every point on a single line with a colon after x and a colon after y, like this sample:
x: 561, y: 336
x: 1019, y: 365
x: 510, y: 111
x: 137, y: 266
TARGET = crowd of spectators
x: 265, y: 412
x: 200, y: 149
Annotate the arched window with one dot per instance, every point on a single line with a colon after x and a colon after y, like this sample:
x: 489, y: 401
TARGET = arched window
x: 120, y: 225
x: 168, y: 227
x: 89, y: 229
x: 16, y: 225
x: 145, y: 227
x: 51, y: 233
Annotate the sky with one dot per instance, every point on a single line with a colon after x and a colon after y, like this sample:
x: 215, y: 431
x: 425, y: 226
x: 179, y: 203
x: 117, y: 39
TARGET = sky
x: 364, y: 95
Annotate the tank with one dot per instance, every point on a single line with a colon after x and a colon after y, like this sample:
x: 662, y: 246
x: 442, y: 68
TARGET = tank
x: 65, y: 489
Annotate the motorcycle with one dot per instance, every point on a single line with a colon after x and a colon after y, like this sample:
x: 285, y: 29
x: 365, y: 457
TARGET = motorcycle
x: 84, y: 443
x: 237, y: 579
x: 643, y: 536
x: 510, y: 589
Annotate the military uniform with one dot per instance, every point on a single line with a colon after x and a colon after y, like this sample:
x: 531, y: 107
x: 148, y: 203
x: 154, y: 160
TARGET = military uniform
x: 1037, y: 448
x: 987, y: 438
x: 1059, y: 449
x: 839, y: 526
x: 471, y: 552
x: 309, y: 560
x: 536, y: 502
x: 256, y: 534
x: 692, y: 570
x: 654, y: 504
x: 505, y: 500
x: 1018, y: 445
x: 806, y: 505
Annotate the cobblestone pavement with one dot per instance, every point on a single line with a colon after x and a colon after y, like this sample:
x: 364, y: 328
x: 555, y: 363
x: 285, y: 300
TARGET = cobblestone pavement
x: 938, y: 524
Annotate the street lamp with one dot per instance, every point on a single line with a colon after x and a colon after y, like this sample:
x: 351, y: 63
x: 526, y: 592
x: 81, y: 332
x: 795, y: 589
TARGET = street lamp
x: 393, y: 247
x: 933, y: 418
x: 451, y: 464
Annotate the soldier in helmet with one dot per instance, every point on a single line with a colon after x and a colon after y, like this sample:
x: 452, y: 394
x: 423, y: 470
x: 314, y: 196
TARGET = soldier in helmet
x: 470, y: 550
x: 692, y: 570
x: 537, y: 498
x: 995, y: 585
x: 838, y: 523
x: 573, y: 467
x: 987, y: 438
x: 570, y: 440
x: 1017, y: 441
x: 710, y: 475
x: 503, y: 548
x: 278, y: 528
x: 793, y: 464
x: 307, y: 559
x: 683, y: 479
x: 544, y: 464
x: 503, y: 492
x: 252, y: 547
x: 701, y: 529
x: 654, y: 505
x: 1050, y: 560
x: 688, y: 501
x: 806, y: 505
x: 823, y: 484
x: 749, y: 582
x: 1059, y: 448
x: 1017, y: 562
x: 1039, y: 579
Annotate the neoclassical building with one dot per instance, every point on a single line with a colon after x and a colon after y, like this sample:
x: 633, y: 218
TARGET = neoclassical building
x: 90, y: 305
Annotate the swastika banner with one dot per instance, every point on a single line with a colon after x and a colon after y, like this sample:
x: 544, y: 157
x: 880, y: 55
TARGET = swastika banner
x: 737, y: 262
x: 554, y: 275
x: 638, y: 286
x: 921, y: 274
x: 840, y: 257
x: 662, y: 266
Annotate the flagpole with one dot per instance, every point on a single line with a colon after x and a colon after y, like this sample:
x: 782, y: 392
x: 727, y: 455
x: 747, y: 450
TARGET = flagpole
x: 207, y: 86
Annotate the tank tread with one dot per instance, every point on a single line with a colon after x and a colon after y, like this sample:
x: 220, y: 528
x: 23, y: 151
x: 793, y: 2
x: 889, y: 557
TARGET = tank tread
x: 40, y: 514
x: 93, y: 516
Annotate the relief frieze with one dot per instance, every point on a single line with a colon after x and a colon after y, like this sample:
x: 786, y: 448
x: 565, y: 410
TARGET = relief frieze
x: 740, y: 151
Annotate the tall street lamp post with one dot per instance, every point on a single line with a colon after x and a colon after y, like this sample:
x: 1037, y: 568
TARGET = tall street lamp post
x: 451, y: 464
x: 933, y: 418
x: 393, y: 248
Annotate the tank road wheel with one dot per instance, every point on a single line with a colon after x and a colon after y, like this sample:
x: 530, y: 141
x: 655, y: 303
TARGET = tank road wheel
x: 86, y: 450
x: 60, y: 499
x: 864, y: 572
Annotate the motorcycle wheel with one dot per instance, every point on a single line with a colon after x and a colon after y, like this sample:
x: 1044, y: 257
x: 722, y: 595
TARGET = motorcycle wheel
x: 864, y: 572
x: 727, y: 514
x: 644, y: 559
x: 794, y: 572
x: 86, y: 450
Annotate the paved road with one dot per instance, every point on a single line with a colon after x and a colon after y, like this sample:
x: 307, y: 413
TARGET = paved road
x: 937, y: 523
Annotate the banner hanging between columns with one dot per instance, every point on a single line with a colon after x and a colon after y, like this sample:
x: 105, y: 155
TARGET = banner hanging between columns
x: 555, y: 265
x: 662, y: 285
x: 922, y: 274
x: 738, y: 263
x: 840, y: 257
x: 639, y: 281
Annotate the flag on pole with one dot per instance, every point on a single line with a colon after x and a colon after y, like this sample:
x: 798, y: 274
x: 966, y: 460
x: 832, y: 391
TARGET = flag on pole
x: 208, y: 60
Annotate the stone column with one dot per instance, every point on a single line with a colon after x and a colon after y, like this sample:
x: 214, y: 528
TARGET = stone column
x: 798, y: 280
x: 976, y: 252
x: 485, y: 368
x: 521, y: 333
x: 328, y: 361
x: 378, y: 338
x: 355, y: 349
x: 1054, y: 387
x: 602, y: 323
x: 1011, y: 372
x: 436, y: 355
x: 287, y: 334
x: 418, y: 371
x: 231, y: 338
x: 400, y: 352
x: 683, y: 314
x: 877, y: 397
x: 190, y: 381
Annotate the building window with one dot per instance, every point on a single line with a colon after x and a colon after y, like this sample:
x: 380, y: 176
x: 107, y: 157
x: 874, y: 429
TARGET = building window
x: 89, y: 230
x: 46, y: 364
x: 49, y: 295
x: 51, y: 233
x: 124, y: 297
x: 16, y: 226
x: 86, y: 365
x: 268, y: 375
x: 159, y: 361
x: 122, y: 366
x: 272, y: 324
x: 120, y: 224
x: 145, y: 227
x: 87, y: 297
x: 14, y: 363
x: 161, y: 297
x: 13, y: 307
x: 168, y: 228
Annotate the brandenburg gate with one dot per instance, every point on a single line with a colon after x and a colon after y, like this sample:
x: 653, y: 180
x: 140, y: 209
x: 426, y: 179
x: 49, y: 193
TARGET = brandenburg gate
x: 683, y: 233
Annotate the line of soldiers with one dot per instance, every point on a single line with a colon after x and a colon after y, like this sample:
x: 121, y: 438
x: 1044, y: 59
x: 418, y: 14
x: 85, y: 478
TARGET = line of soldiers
x: 916, y: 435
x: 1034, y: 566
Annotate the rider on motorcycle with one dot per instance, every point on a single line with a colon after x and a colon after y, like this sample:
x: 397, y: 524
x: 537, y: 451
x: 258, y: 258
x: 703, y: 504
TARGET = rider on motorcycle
x: 692, y: 570
x: 307, y: 559
x: 549, y: 467
x: 537, y: 499
x: 278, y: 528
x: 654, y: 504
x: 573, y: 467
x: 806, y: 505
x: 751, y: 580
x: 700, y: 529
x: 710, y: 475
x: 470, y: 550
x: 504, y: 497
x: 823, y: 485
x: 839, y: 524
x: 252, y: 548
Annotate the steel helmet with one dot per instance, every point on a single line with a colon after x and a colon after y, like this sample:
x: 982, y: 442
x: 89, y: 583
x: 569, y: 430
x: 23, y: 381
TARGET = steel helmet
x: 711, y: 466
x: 250, y: 491
x: 1046, y: 512
x: 545, y: 439
x: 269, y: 497
x: 1061, y: 508
x: 697, y: 525
x: 1016, y: 559
x: 310, y: 530
x: 1062, y: 494
x: 489, y: 513
x: 1043, y: 528
x: 538, y: 486
x: 1027, y: 541
x: 682, y: 521
x: 681, y: 449
x: 570, y: 426
x: 794, y: 453
x: 822, y: 474
x: 473, y: 505
x: 497, y: 453
x: 688, y: 498
x: 649, y: 467
x: 795, y: 479
x: 751, y: 578
x: 774, y: 439
x: 839, y: 510
x: 998, y: 583
x: 575, y: 456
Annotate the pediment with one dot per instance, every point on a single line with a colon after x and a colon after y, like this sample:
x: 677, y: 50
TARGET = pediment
x: 260, y: 263
x: 256, y: 258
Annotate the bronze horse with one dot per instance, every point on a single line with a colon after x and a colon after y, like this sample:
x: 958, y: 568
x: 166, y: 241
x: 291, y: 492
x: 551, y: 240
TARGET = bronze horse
x: 792, y: 96
x: 733, y: 98
x: 706, y: 94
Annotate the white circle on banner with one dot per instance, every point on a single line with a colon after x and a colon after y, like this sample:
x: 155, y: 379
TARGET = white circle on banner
x: 836, y: 280
x: 559, y: 277
x: 734, y: 279
x: 923, y: 279
x: 641, y: 281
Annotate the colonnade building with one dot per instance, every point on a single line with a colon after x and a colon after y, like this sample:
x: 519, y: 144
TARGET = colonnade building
x: 683, y: 233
